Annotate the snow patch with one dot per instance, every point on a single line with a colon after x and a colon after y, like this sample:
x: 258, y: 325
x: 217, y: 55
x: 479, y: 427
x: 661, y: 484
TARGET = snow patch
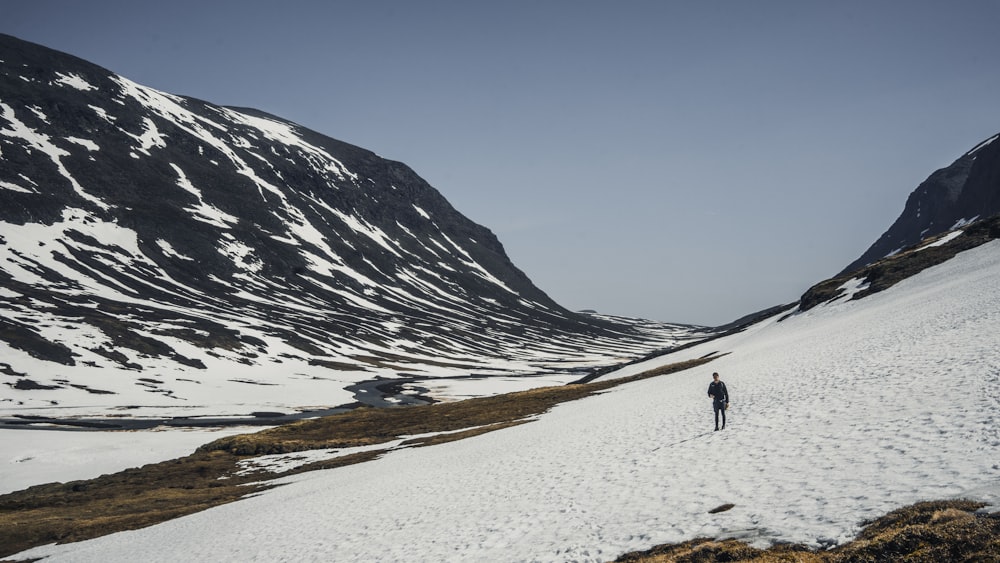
x: 851, y: 287
x: 962, y: 223
x: 15, y: 187
x: 39, y: 114
x: 102, y: 114
x: 241, y: 255
x: 150, y: 138
x: 32, y: 457
x: 73, y: 81
x: 984, y: 144
x: 943, y: 240
x: 169, y: 251
x: 202, y: 211
x: 421, y: 211
x: 42, y: 143
x: 86, y: 143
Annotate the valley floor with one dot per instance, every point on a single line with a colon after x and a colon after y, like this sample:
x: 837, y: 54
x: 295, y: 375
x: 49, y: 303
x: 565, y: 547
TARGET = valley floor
x: 838, y: 415
x: 34, y: 457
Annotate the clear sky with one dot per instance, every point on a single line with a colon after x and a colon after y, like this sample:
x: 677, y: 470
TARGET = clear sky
x: 685, y: 161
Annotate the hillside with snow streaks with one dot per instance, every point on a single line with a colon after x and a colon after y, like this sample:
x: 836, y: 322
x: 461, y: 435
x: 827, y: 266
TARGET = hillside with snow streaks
x: 163, y: 256
x: 839, y: 414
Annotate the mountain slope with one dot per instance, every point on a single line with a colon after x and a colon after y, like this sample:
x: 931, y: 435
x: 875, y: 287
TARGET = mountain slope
x: 158, y: 250
x: 951, y: 197
x: 839, y: 414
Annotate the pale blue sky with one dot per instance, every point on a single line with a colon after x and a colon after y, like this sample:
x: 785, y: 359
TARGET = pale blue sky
x: 680, y: 161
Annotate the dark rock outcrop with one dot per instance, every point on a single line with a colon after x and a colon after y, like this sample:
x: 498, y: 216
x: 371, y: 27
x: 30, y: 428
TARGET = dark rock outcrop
x: 953, y: 196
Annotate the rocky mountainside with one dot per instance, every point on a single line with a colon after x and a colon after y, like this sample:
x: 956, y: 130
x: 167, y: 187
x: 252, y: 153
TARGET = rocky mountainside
x: 967, y: 190
x: 955, y: 209
x: 155, y: 248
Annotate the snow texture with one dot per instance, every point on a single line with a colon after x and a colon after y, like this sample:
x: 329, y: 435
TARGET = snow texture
x: 839, y: 414
x: 33, y: 457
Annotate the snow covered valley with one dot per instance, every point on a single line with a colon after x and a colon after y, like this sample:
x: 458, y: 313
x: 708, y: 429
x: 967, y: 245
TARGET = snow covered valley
x: 838, y: 414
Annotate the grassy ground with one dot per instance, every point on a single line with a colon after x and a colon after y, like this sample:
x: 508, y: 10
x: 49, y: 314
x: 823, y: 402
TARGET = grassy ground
x: 135, y: 498
x: 928, y: 532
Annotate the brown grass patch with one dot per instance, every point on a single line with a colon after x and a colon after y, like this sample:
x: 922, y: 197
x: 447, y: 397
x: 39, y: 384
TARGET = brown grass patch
x: 65, y: 512
x: 366, y: 425
x: 135, y: 498
x: 703, y: 550
x: 927, y: 532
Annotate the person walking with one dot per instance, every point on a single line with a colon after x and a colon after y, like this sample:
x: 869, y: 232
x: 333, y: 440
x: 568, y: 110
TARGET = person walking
x: 720, y: 399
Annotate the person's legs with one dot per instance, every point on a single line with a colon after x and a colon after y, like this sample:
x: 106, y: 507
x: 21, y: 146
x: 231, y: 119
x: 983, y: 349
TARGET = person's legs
x: 716, y: 407
x: 722, y: 408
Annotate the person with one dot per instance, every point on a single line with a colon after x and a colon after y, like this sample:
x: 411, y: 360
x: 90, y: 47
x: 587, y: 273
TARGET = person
x: 720, y: 399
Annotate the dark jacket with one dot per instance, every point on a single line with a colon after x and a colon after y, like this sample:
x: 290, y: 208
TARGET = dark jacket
x: 718, y: 391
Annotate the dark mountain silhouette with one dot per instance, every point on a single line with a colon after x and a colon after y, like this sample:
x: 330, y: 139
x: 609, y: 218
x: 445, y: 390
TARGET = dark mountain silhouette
x: 967, y: 190
x: 955, y: 209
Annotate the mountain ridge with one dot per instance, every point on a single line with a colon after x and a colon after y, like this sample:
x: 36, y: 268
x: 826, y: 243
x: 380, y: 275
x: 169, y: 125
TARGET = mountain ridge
x: 155, y: 235
x: 951, y: 197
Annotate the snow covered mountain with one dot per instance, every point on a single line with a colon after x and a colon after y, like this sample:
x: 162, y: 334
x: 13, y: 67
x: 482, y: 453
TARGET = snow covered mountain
x: 951, y: 197
x: 160, y: 255
x: 839, y: 414
x: 163, y: 256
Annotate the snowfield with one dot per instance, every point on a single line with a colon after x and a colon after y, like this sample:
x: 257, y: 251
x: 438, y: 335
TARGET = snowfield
x: 838, y: 414
x: 33, y: 457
